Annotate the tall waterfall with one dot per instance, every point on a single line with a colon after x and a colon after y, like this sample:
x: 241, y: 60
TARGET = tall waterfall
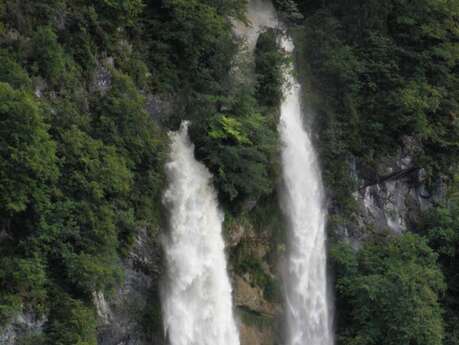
x: 197, y: 306
x: 308, y: 315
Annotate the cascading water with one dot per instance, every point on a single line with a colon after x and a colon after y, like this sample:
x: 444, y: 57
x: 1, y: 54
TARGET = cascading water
x: 261, y: 15
x: 307, y: 311
x: 308, y: 315
x: 197, y: 306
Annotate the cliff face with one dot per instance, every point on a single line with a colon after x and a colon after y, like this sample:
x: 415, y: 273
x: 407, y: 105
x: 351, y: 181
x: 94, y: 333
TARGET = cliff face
x: 24, y: 326
x: 131, y: 316
x: 255, y: 281
x: 393, y: 195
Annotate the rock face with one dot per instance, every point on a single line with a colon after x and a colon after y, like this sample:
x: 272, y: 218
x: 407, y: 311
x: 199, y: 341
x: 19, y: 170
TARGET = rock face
x: 132, y: 315
x: 25, y: 326
x: 251, y: 298
x: 102, y: 79
x: 129, y: 316
x: 258, y: 315
x: 393, y: 195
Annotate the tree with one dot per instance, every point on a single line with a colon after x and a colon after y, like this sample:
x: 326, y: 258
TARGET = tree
x: 27, y: 153
x: 388, y: 292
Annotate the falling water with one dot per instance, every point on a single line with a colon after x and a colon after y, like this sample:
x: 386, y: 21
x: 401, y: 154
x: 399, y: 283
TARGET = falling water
x: 197, y: 304
x: 307, y: 311
x: 308, y: 319
x: 261, y: 15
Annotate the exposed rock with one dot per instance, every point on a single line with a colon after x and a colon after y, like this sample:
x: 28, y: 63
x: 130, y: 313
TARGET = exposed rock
x: 40, y: 86
x: 440, y: 189
x: 104, y: 314
x: 251, y: 335
x: 235, y: 233
x: 102, y: 81
x: 160, y: 107
x: 258, y: 316
x: 251, y: 297
x: 249, y: 204
x: 393, y: 195
x: 121, y: 316
x: 24, y: 325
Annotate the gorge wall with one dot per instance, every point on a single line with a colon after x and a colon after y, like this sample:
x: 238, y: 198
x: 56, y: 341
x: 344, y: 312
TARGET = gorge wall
x: 90, y: 91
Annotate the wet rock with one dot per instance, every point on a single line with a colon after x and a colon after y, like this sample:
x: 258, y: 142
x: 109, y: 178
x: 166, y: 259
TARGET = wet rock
x: 251, y: 297
x: 235, y: 234
x: 251, y: 335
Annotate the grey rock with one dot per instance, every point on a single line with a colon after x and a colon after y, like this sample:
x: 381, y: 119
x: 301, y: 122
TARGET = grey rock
x: 393, y: 195
x: 120, y: 315
x: 24, y: 325
x: 160, y: 107
x: 102, y: 79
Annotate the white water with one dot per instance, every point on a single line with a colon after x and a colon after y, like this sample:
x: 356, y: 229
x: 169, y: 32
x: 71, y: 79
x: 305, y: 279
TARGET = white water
x: 307, y: 311
x: 308, y: 315
x: 197, y: 306
x: 261, y: 15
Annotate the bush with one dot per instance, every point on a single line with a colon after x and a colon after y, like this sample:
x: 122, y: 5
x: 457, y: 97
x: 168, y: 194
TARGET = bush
x: 27, y: 153
x: 71, y: 322
x: 48, y: 55
x: 239, y: 150
x: 388, y: 292
x: 12, y: 73
x: 270, y: 64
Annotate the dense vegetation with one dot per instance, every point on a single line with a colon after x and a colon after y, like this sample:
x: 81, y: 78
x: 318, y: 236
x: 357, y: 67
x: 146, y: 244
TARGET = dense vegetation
x: 81, y: 158
x: 441, y: 228
x: 388, y: 292
x: 80, y: 168
x: 383, y: 75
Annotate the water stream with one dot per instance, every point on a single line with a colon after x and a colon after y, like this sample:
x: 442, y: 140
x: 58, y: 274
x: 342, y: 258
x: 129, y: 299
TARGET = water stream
x: 307, y: 309
x: 197, y: 305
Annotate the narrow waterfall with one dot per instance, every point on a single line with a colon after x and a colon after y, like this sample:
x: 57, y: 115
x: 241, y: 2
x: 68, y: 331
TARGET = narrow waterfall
x: 261, y: 15
x: 307, y: 311
x: 308, y: 318
x: 197, y: 306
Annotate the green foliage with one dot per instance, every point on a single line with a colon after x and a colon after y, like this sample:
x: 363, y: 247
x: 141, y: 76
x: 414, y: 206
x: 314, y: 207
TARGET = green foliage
x: 239, y: 150
x: 123, y: 10
x: 71, y: 322
x: 27, y: 153
x: 22, y: 281
x: 48, y: 55
x: 10, y: 305
x: 80, y: 174
x: 121, y: 121
x: 384, y: 71
x: 270, y: 63
x: 190, y: 45
x: 441, y: 228
x: 12, y: 73
x: 388, y: 292
x: 34, y: 339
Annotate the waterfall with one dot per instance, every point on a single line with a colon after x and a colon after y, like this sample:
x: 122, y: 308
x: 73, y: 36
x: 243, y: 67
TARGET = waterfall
x: 197, y: 306
x: 261, y: 15
x: 307, y: 311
